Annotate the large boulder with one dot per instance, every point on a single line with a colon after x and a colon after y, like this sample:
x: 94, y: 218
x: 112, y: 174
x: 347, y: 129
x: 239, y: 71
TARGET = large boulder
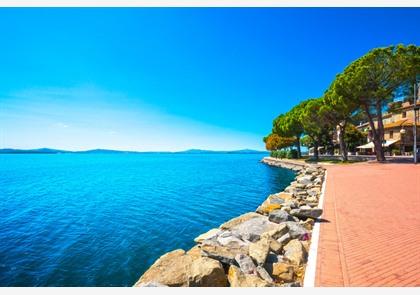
x: 252, y: 229
x: 307, y: 179
x: 279, y: 216
x: 306, y: 212
x: 246, y: 264
x: 224, y: 254
x: 296, y: 230
x: 151, y: 284
x: 208, y: 235
x: 283, y: 272
x: 227, y: 238
x: 237, y: 278
x: 206, y: 272
x: 284, y: 239
x: 295, y: 252
x: 170, y: 269
x: 275, y: 246
x: 238, y: 220
x: 259, y: 251
x: 262, y: 272
x: 267, y: 207
x: 194, y: 252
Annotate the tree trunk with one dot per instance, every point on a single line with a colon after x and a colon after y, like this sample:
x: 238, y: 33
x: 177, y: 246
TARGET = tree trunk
x: 343, y: 146
x: 299, y: 155
x: 377, y: 138
x: 380, y: 156
x: 316, y: 156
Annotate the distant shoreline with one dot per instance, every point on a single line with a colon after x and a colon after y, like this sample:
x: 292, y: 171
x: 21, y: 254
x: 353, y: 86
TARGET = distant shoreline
x: 105, y: 151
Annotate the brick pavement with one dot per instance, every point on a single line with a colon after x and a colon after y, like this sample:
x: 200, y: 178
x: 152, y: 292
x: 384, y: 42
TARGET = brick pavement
x: 373, y: 234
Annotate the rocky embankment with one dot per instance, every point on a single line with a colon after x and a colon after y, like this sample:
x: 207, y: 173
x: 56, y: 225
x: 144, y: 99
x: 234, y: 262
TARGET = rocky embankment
x: 266, y: 248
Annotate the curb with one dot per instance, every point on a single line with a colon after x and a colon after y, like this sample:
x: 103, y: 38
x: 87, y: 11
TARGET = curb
x: 310, y: 272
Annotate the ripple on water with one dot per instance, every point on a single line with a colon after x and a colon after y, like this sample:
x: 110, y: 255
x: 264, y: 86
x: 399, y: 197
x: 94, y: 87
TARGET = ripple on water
x: 102, y: 220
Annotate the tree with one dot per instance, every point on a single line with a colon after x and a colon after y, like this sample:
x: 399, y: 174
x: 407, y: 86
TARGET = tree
x: 314, y: 125
x: 375, y: 79
x: 274, y: 142
x: 289, y: 125
x: 353, y: 137
x: 340, y: 106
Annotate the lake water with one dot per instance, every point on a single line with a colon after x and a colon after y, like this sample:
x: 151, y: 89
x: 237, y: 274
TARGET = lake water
x: 102, y: 220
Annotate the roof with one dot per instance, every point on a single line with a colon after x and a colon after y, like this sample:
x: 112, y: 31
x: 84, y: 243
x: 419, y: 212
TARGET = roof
x: 400, y: 123
x: 371, y: 146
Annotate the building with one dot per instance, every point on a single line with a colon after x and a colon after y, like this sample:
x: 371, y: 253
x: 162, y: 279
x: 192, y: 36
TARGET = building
x: 398, y: 131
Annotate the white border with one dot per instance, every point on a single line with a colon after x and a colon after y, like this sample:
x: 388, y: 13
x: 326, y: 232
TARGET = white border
x: 210, y: 3
x: 310, y: 272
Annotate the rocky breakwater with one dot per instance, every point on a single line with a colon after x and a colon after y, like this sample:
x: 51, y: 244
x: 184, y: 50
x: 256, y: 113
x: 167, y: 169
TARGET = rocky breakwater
x: 266, y: 248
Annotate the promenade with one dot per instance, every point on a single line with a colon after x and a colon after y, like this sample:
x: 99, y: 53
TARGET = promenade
x: 371, y: 230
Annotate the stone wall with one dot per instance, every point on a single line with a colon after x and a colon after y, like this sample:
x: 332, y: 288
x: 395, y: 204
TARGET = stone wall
x: 266, y: 248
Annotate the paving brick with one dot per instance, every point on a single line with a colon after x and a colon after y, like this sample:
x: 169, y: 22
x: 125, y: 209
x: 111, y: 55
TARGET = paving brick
x: 373, y: 234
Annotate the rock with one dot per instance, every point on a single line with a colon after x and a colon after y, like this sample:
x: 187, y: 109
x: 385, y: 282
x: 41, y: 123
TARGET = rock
x: 240, y: 219
x: 286, y: 208
x: 276, y: 199
x: 279, y: 216
x: 259, y: 251
x: 208, y: 235
x: 308, y: 224
x: 300, y: 185
x: 311, y: 170
x: 296, y: 230
x: 306, y: 212
x: 277, y: 232
x: 222, y: 253
x: 306, y: 245
x: 194, y: 252
x: 294, y: 284
x: 266, y: 208
x: 207, y: 272
x: 262, y: 272
x: 283, y: 272
x: 314, y: 192
x: 284, y: 239
x: 275, y: 246
x: 227, y: 238
x: 307, y: 179
x: 295, y: 252
x: 151, y: 284
x: 237, y: 278
x: 312, y: 199
x: 252, y: 229
x: 246, y: 264
x: 170, y: 269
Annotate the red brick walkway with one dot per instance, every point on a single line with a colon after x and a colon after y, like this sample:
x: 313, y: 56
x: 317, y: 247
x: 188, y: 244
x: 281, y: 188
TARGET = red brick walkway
x: 373, y: 234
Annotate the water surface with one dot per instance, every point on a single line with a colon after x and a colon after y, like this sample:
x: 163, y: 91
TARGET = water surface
x: 102, y: 220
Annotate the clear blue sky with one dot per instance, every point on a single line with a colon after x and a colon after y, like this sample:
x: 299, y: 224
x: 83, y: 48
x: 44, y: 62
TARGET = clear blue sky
x: 172, y: 79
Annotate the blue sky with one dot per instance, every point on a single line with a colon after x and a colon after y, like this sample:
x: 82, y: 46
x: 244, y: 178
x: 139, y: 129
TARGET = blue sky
x: 174, y: 78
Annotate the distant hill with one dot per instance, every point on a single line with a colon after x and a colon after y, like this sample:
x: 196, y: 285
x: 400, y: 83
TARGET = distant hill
x: 105, y: 151
x: 198, y: 151
x: 32, y: 151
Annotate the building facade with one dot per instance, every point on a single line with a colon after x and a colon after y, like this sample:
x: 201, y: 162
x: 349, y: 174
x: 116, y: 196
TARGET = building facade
x: 398, y: 131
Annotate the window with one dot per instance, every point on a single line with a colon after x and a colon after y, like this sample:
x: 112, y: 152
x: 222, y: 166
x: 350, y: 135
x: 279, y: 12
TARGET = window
x: 404, y: 114
x: 391, y: 134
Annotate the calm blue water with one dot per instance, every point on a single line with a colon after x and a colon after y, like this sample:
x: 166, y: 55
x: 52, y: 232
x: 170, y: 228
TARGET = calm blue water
x: 102, y: 220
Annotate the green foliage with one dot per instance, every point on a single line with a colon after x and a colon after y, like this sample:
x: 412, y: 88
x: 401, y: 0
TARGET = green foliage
x: 353, y: 137
x: 279, y: 154
x: 360, y: 92
x: 292, y: 154
x: 307, y: 141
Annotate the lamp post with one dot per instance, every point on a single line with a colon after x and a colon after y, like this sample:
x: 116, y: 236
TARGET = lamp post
x: 402, y: 132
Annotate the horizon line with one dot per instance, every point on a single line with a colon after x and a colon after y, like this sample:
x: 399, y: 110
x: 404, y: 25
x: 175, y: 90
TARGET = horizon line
x: 130, y: 151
